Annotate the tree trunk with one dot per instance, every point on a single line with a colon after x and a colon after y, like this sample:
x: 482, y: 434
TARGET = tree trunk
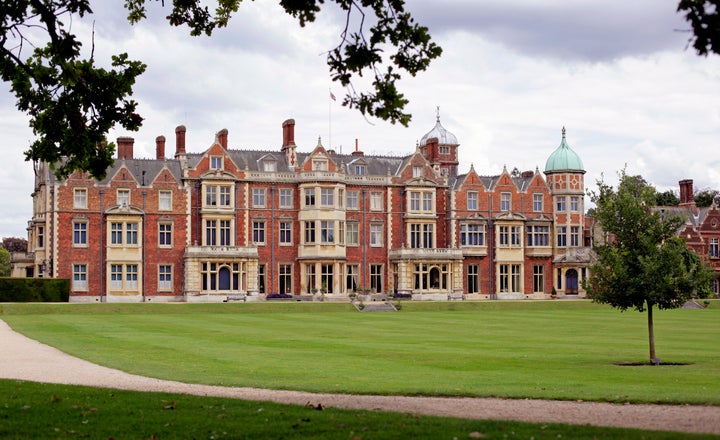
x: 651, y: 335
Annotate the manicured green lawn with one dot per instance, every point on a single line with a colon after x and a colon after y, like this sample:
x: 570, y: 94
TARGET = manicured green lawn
x: 550, y: 349
x: 39, y: 411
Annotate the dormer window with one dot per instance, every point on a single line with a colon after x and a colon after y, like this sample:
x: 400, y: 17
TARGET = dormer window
x: 444, y: 149
x: 216, y: 162
x: 360, y: 170
x: 417, y: 172
x: 269, y: 166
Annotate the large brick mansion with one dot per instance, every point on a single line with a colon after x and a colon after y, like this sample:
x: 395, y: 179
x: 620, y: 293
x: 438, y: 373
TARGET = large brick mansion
x: 233, y: 222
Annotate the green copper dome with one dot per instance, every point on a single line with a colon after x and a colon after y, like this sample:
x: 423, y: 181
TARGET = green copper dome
x: 564, y: 158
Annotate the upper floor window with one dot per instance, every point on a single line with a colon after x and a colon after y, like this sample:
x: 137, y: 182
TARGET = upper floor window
x: 505, y: 201
x: 560, y: 202
x: 309, y: 196
x: 285, y: 237
x: 562, y: 236
x: 444, y: 149
x: 574, y: 236
x: 123, y: 197
x: 376, y: 235
x: 79, y: 233
x: 218, y: 232
x: 417, y: 172
x: 472, y: 235
x: 286, y: 200
x: 574, y: 203
x: 80, y: 198
x: 327, y: 197
x: 422, y: 235
x: 352, y: 237
x: 360, y: 169
x: 218, y: 195
x: 258, y: 197
x: 472, y: 201
x: 258, y: 231
x: 327, y: 231
x: 165, y: 200
x: 538, y: 235
x: 124, y: 233
x: 216, y: 162
x: 310, y: 232
x: 510, y: 236
x: 376, y: 201
x: 714, y: 248
x: 537, y: 202
x: 352, y: 200
x: 165, y: 234
x: 40, y: 237
x: 414, y: 201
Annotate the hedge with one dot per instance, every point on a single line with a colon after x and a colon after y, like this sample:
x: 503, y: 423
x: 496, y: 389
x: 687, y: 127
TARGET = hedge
x: 34, y: 290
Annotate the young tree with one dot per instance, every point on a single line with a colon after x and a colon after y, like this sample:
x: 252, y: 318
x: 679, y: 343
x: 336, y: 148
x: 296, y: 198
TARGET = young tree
x: 72, y: 103
x: 646, y: 266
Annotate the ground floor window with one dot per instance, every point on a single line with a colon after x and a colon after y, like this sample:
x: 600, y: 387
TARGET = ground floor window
x: 261, y: 278
x: 79, y: 277
x: 559, y: 279
x: 310, y: 278
x: 326, y: 278
x: 124, y: 277
x: 351, y: 279
x: 510, y: 278
x: 221, y: 276
x: 473, y: 278
x: 165, y: 277
x: 376, y: 278
x: 538, y: 278
x: 431, y: 276
x: 285, y: 278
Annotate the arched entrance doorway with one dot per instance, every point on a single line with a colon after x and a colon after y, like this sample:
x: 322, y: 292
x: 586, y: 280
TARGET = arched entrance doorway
x: 571, y: 282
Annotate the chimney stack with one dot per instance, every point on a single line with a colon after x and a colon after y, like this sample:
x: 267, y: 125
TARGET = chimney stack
x: 160, y: 148
x: 180, y: 140
x: 125, y: 147
x: 288, y: 133
x: 686, y: 192
x: 357, y: 152
x: 222, y: 138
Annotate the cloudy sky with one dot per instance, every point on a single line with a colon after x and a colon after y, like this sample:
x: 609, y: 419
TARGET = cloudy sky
x: 616, y: 74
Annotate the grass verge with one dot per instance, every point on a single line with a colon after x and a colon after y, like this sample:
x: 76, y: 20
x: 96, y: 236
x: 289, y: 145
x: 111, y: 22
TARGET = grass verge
x: 40, y: 411
x: 552, y: 350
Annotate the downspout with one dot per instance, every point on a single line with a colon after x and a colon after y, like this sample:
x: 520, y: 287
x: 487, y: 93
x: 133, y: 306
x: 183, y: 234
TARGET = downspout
x: 144, y: 194
x: 365, y: 242
x: 52, y: 231
x: 491, y: 243
x: 197, y: 212
x: 102, y: 243
x: 272, y: 238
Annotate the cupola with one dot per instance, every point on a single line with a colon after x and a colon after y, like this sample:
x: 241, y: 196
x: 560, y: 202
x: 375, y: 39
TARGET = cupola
x: 563, y: 158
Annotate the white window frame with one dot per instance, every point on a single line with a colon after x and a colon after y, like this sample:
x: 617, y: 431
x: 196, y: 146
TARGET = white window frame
x: 286, y: 198
x: 165, y: 277
x: 80, y: 282
x: 472, y: 200
x: 165, y: 201
x: 80, y: 197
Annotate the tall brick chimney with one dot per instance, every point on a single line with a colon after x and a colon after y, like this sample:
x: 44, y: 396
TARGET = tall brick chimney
x: 288, y: 133
x: 357, y: 152
x: 180, y: 140
x: 222, y: 137
x: 160, y: 148
x: 686, y: 192
x: 125, y: 147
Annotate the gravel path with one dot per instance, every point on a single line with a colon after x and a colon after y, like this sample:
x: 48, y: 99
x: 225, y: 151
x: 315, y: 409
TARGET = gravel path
x: 26, y: 359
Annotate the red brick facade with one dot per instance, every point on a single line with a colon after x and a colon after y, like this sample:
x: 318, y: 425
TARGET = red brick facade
x: 242, y: 223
